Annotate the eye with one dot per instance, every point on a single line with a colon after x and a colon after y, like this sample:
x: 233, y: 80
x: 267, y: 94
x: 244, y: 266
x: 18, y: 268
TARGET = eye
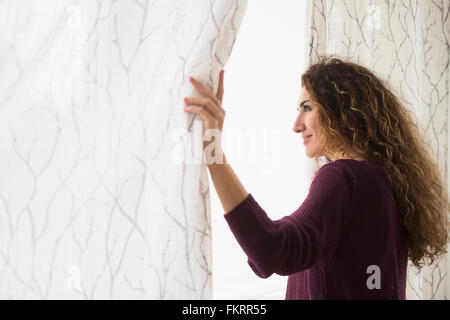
x: 305, y: 107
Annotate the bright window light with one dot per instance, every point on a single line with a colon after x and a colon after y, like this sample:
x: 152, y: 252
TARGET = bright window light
x: 262, y: 88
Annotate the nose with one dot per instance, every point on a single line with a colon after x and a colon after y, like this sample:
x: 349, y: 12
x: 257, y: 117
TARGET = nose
x: 299, y: 125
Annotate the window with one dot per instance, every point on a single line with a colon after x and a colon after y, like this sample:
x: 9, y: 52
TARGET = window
x: 262, y: 87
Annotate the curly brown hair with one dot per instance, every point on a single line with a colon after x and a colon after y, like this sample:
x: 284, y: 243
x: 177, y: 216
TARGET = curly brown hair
x: 358, y: 113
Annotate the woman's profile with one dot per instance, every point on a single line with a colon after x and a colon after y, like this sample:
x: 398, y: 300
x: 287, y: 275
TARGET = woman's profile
x: 378, y: 202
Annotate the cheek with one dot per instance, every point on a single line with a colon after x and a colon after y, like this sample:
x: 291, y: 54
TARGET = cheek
x: 316, y: 141
x: 314, y: 125
x: 315, y: 128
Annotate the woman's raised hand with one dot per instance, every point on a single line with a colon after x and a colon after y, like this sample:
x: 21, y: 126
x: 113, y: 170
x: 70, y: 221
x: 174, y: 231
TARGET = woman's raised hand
x: 209, y: 107
x: 230, y: 190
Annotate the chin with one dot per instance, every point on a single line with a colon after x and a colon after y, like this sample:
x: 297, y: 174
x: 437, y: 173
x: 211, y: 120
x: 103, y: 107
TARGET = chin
x: 313, y: 154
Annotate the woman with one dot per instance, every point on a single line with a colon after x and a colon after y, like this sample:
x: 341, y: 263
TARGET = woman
x: 378, y: 202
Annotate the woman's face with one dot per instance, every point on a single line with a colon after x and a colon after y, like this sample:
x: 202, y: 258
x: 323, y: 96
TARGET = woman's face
x: 308, y: 125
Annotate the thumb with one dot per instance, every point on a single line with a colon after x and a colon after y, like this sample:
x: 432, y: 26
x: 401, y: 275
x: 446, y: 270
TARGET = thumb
x: 220, y: 90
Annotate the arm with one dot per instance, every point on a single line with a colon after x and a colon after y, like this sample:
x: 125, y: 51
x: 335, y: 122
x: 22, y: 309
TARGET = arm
x: 230, y: 190
x: 296, y: 242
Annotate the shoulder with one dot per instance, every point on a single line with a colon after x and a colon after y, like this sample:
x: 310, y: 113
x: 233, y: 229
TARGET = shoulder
x: 352, y: 173
x: 334, y: 180
x: 354, y: 169
x: 333, y: 189
x: 336, y: 170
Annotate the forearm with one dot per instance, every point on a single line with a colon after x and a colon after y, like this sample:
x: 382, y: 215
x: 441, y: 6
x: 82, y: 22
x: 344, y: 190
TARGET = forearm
x: 230, y: 190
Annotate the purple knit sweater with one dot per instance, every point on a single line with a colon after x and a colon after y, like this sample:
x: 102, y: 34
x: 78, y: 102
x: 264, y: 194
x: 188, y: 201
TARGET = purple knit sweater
x: 331, y: 246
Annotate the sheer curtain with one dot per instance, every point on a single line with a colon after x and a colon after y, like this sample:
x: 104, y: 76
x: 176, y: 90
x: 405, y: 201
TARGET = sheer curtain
x: 102, y: 194
x: 406, y: 43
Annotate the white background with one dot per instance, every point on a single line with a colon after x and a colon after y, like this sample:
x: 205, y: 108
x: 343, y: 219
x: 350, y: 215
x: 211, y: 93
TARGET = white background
x: 262, y: 86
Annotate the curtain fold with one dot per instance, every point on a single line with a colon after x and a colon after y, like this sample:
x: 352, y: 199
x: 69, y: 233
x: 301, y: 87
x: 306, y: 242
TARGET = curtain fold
x: 102, y: 191
x: 407, y: 44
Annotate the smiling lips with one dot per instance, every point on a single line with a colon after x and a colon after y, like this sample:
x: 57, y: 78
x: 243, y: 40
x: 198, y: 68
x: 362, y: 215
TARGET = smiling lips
x: 306, y: 139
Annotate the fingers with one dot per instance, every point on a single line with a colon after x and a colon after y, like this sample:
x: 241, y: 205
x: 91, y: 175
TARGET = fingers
x: 220, y: 90
x: 203, y: 113
x: 204, y: 90
x: 211, y: 106
x: 208, y: 107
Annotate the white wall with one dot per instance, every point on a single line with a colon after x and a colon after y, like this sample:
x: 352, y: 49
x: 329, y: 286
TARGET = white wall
x: 262, y: 87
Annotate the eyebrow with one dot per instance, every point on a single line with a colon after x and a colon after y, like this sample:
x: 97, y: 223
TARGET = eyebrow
x: 301, y: 104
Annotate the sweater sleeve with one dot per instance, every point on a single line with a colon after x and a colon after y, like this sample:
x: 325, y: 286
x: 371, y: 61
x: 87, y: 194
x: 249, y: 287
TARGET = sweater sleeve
x: 296, y: 242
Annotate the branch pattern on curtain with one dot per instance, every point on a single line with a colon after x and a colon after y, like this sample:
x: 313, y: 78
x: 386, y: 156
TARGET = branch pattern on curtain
x: 407, y: 44
x: 94, y: 200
